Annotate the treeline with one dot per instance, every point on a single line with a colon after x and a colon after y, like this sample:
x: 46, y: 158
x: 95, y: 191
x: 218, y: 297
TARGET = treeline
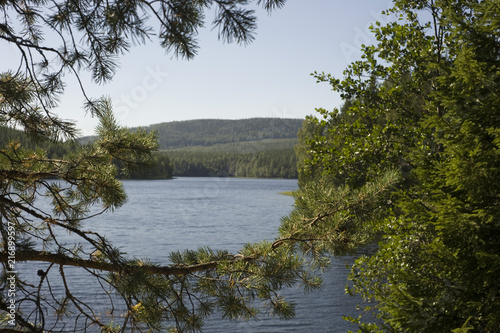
x: 210, y: 132
x: 53, y: 149
x: 268, y: 158
x: 256, y: 147
x: 160, y: 169
x: 264, y: 164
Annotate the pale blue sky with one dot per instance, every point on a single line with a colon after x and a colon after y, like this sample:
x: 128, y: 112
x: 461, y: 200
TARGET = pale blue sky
x: 267, y: 78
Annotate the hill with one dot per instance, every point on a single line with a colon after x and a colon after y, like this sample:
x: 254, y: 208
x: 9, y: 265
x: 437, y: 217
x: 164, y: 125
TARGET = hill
x: 210, y: 132
x: 257, y: 147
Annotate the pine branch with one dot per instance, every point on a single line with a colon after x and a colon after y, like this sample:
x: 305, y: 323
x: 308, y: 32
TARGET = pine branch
x: 25, y: 176
x: 64, y: 260
x: 351, y: 201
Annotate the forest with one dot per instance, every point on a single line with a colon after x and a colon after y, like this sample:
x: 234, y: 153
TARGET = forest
x: 256, y: 148
x: 263, y: 164
x: 209, y: 132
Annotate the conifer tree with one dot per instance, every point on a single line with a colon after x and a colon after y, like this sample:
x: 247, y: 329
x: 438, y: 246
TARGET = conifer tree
x: 90, y: 35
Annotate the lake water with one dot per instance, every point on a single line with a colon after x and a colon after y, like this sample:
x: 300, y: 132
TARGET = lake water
x: 162, y: 216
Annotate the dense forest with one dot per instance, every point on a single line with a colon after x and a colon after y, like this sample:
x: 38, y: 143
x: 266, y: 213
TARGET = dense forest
x: 257, y: 148
x: 209, y: 132
x: 267, y: 158
x: 264, y: 164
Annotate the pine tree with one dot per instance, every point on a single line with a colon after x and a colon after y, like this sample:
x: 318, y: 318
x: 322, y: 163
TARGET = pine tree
x: 147, y: 296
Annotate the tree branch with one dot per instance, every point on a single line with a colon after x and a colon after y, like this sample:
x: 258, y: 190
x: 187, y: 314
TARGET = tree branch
x: 22, y: 175
x: 64, y: 260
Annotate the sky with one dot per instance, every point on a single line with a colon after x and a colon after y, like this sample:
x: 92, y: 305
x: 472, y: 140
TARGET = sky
x: 269, y: 77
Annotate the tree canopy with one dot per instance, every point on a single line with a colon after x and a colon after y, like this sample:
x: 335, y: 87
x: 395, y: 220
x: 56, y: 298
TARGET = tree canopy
x: 423, y: 102
x: 210, y: 132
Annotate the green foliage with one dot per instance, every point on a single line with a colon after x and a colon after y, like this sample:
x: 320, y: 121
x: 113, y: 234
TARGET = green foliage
x: 159, y: 167
x: 256, y: 147
x: 209, y: 132
x: 423, y: 101
x: 311, y: 130
x: 205, y: 163
x: 331, y: 220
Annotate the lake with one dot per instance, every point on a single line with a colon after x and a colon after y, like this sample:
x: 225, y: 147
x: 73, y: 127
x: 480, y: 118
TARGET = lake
x: 162, y: 216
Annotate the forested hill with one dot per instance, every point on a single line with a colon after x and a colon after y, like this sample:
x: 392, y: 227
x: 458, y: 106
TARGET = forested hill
x: 257, y: 147
x: 209, y: 132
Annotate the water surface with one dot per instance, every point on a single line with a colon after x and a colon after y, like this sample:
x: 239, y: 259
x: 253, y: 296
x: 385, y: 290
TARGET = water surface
x: 162, y: 216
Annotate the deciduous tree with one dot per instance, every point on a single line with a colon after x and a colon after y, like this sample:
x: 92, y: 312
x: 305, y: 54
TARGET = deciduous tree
x: 424, y: 101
